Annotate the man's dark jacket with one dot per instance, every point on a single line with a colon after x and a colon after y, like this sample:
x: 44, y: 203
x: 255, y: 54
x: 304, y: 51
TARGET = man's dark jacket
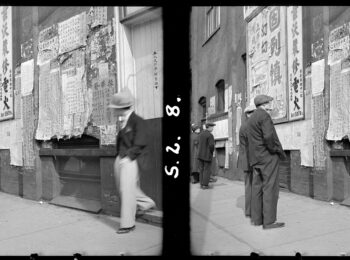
x: 242, y: 161
x: 132, y: 141
x: 206, y: 146
x: 262, y: 138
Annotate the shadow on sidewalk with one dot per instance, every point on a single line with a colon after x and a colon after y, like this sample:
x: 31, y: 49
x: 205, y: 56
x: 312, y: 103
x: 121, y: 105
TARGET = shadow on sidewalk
x: 202, y: 207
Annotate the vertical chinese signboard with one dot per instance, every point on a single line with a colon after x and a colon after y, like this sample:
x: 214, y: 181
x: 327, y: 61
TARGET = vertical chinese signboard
x: 6, y: 82
x: 295, y: 63
x: 267, y: 59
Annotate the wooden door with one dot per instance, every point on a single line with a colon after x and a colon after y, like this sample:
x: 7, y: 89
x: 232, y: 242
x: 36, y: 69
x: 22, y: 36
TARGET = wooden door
x: 147, y: 51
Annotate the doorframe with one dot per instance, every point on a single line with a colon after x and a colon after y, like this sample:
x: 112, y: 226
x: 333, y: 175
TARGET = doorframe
x: 125, y: 60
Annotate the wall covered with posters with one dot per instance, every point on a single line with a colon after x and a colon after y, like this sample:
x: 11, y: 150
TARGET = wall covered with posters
x: 58, y: 71
x: 77, y: 76
x: 76, y: 62
x: 275, y: 68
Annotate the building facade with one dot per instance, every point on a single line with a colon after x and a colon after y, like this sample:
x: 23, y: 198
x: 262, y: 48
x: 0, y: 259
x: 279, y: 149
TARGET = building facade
x: 298, y: 55
x: 60, y: 66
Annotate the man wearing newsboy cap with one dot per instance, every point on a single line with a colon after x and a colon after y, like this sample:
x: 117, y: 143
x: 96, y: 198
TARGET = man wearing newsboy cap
x: 265, y: 151
x: 131, y: 145
x: 206, y: 147
x: 242, y: 161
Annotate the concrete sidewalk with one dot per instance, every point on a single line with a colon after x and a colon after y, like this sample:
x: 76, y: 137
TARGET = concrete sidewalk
x: 219, y: 226
x: 28, y: 227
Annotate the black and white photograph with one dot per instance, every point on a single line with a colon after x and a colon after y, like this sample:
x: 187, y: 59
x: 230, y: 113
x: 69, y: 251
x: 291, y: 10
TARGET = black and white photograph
x: 80, y: 128
x: 270, y: 129
x: 196, y: 130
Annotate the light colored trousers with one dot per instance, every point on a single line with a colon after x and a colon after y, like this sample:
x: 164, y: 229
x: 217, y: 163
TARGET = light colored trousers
x: 126, y: 175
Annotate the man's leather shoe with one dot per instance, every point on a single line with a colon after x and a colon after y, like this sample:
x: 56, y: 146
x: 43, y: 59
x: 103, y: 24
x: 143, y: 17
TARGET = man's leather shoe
x: 125, y: 230
x: 205, y: 187
x: 274, y: 225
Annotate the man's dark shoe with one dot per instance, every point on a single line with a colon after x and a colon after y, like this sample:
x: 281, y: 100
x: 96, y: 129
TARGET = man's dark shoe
x: 125, y: 230
x: 274, y: 225
x: 205, y: 187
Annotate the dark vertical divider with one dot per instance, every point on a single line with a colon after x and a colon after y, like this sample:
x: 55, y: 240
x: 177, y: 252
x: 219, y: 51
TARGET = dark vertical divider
x: 176, y: 129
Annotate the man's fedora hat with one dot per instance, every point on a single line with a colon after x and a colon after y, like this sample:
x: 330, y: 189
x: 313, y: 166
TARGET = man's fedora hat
x: 262, y: 99
x: 122, y: 99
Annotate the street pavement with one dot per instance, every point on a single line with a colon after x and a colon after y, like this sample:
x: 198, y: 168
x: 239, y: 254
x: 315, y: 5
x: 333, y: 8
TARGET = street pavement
x: 28, y: 227
x: 219, y: 227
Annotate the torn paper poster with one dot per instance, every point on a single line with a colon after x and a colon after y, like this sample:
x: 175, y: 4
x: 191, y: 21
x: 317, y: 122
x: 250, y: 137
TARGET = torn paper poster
x: 108, y: 135
x: 297, y: 136
x: 72, y: 33
x: 18, y: 97
x: 50, y: 104
x: 48, y: 44
x: 28, y: 131
x: 103, y: 45
x: 339, y: 43
x: 27, y: 50
x: 97, y: 16
x: 318, y: 131
x: 27, y: 77
x: 102, y: 91
x: 103, y: 70
x: 339, y: 118
x: 317, y: 77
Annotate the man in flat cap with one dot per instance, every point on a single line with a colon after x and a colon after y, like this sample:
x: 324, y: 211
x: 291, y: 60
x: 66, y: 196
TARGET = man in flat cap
x: 264, y: 153
x: 194, y: 153
x: 131, y: 147
x: 242, y: 161
x: 206, y: 147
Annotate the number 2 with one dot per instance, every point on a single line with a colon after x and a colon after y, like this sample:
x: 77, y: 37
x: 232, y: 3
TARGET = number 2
x: 168, y: 148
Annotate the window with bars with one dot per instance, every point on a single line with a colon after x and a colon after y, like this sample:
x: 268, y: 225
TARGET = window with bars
x: 212, y: 21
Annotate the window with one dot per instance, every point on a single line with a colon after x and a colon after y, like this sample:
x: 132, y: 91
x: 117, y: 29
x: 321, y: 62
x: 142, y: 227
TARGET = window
x: 220, y: 89
x: 212, y: 21
x: 245, y: 89
x: 203, y: 103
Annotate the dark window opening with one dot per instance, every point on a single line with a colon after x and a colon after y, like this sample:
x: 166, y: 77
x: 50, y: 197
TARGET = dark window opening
x: 203, y: 104
x: 220, y: 88
x: 85, y: 141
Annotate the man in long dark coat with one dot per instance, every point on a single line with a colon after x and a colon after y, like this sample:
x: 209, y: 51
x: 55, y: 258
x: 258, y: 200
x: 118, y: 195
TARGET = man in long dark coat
x: 243, y: 163
x: 265, y: 151
x: 194, y: 153
x: 206, y: 147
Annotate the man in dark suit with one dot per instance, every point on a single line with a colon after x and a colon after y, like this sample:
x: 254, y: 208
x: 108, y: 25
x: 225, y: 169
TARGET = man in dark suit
x: 265, y: 151
x: 131, y: 146
x: 242, y: 161
x: 206, y: 147
x: 194, y: 153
